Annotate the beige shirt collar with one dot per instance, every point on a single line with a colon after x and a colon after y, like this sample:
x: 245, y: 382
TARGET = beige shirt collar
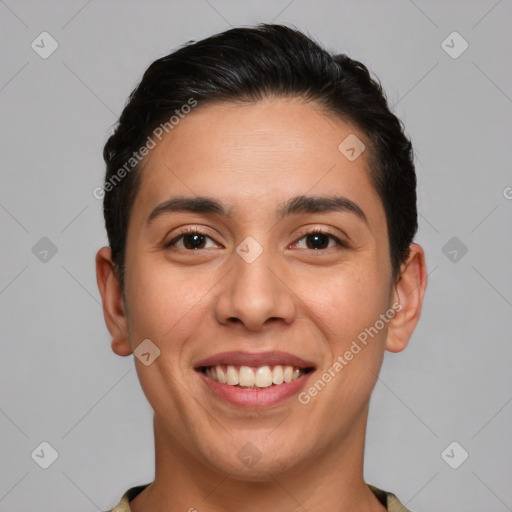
x: 386, y: 498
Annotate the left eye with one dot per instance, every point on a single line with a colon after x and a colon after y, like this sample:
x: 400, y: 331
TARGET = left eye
x: 319, y: 240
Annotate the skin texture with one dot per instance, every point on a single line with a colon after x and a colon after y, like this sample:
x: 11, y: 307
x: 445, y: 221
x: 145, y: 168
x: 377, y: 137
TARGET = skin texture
x: 309, y: 302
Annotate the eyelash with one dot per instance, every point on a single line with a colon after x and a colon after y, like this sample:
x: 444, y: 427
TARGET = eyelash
x: 195, y: 231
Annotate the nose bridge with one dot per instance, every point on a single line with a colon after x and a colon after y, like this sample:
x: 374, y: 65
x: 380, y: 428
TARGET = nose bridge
x: 253, y: 292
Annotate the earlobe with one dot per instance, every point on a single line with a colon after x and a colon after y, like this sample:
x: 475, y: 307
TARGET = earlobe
x: 114, y: 310
x: 409, y: 291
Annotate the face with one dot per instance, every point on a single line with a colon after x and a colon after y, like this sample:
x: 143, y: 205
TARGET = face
x: 258, y: 253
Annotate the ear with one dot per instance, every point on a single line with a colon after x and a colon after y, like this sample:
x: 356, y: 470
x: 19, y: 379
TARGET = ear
x: 114, y: 309
x: 408, y: 294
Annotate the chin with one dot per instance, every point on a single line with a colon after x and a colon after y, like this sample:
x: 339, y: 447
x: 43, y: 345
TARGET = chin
x: 246, y: 458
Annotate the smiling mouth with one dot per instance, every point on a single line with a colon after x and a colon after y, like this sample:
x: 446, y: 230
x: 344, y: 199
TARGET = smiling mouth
x: 254, y: 378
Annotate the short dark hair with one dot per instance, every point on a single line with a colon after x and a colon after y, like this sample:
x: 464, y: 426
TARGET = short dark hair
x: 247, y: 65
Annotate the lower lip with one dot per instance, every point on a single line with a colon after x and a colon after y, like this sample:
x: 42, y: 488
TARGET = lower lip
x: 254, y: 398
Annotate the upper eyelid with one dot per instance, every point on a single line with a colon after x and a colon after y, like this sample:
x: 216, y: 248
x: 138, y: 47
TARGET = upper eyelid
x: 324, y: 231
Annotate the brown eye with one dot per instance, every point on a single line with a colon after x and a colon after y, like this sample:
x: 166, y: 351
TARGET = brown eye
x: 317, y: 240
x: 192, y: 240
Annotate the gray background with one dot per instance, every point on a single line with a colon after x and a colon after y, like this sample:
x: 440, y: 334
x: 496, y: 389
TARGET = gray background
x: 60, y: 382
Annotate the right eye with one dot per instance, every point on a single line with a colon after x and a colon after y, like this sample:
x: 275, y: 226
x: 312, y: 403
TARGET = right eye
x: 191, y: 239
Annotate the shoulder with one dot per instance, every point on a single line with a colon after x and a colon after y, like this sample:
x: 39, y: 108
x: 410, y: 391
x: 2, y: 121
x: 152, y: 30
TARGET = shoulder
x: 129, y: 495
x: 388, y: 499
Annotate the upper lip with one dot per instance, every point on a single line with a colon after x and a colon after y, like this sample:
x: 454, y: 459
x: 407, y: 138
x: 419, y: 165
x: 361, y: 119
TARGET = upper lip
x: 240, y: 358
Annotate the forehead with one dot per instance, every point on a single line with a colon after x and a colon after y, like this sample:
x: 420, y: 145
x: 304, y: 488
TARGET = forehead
x: 251, y: 154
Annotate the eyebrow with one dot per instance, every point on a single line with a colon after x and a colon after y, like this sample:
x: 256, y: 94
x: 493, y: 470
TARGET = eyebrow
x: 298, y: 204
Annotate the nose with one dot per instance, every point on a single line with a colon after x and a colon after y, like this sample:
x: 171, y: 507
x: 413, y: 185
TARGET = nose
x: 255, y: 294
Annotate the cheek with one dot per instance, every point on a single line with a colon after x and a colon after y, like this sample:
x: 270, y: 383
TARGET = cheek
x: 345, y: 302
x: 165, y: 302
x: 166, y: 306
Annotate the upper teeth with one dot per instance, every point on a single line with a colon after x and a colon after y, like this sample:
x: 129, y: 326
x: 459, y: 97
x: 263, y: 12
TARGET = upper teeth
x: 262, y: 377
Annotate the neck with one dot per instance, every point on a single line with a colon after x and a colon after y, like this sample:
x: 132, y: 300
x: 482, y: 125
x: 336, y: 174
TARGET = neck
x: 332, y: 480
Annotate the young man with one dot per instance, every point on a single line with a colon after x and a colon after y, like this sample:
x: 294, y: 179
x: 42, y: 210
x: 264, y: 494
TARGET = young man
x: 260, y: 204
